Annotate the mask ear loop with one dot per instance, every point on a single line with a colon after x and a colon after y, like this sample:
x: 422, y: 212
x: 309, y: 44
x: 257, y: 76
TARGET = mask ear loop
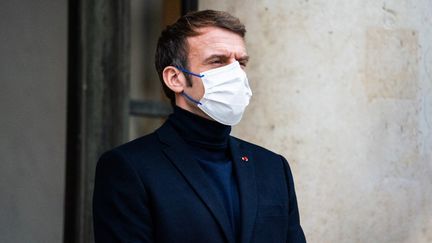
x: 190, y: 98
x: 183, y: 93
x: 189, y: 72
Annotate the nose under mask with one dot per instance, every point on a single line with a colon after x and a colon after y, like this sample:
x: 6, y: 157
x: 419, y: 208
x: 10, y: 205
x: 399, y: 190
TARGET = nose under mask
x: 226, y: 93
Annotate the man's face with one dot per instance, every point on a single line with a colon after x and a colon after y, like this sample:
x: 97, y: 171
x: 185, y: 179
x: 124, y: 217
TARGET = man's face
x: 214, y: 47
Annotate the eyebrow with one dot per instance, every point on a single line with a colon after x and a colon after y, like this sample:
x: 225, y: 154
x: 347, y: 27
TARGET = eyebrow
x: 223, y: 56
x: 244, y: 58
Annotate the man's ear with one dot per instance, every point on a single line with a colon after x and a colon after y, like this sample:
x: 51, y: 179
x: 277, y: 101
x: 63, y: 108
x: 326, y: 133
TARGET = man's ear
x: 174, y: 79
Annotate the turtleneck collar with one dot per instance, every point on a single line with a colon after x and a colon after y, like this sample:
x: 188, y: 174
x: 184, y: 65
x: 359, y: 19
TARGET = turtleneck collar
x: 199, y: 131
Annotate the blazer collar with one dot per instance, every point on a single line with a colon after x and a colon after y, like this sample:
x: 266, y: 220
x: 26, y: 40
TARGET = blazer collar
x: 244, y: 164
x: 178, y: 153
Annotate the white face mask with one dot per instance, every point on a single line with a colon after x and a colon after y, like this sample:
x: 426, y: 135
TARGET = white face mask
x: 226, y: 93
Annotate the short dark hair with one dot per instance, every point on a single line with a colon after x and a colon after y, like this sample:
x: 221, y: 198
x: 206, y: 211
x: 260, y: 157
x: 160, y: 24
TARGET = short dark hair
x: 172, y: 48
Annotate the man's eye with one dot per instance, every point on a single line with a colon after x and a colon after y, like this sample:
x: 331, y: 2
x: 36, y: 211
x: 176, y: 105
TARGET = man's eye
x: 243, y: 64
x: 216, y: 62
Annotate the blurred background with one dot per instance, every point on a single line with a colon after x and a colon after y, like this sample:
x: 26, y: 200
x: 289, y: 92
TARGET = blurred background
x: 343, y: 89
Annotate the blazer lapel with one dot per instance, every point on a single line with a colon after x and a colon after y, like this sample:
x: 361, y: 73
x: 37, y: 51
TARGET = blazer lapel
x: 245, y: 169
x: 178, y: 153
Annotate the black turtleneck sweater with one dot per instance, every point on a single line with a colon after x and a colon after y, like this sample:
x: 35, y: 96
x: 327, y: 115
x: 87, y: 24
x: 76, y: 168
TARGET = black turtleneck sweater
x: 208, y: 141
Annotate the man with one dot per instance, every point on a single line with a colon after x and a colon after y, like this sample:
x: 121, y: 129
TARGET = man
x: 190, y: 181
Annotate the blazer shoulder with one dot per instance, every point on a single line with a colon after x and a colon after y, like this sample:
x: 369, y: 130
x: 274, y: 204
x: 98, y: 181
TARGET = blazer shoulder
x: 254, y: 147
x: 144, y: 146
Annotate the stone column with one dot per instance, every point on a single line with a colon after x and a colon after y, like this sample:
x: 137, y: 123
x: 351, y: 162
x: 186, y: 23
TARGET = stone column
x: 98, y: 101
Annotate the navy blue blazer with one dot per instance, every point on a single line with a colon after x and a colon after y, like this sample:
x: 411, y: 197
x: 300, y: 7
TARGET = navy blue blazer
x: 152, y: 190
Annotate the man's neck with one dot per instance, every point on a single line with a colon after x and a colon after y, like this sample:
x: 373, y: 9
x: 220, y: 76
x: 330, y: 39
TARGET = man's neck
x: 199, y: 131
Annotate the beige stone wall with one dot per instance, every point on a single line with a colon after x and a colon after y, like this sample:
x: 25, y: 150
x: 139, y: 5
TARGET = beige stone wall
x: 343, y: 89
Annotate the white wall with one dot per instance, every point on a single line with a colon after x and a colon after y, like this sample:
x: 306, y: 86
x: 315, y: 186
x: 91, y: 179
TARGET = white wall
x: 343, y: 89
x: 33, y: 48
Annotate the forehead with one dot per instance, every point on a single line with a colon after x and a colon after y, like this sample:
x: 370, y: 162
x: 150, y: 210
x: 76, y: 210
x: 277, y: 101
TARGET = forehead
x: 213, y: 40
